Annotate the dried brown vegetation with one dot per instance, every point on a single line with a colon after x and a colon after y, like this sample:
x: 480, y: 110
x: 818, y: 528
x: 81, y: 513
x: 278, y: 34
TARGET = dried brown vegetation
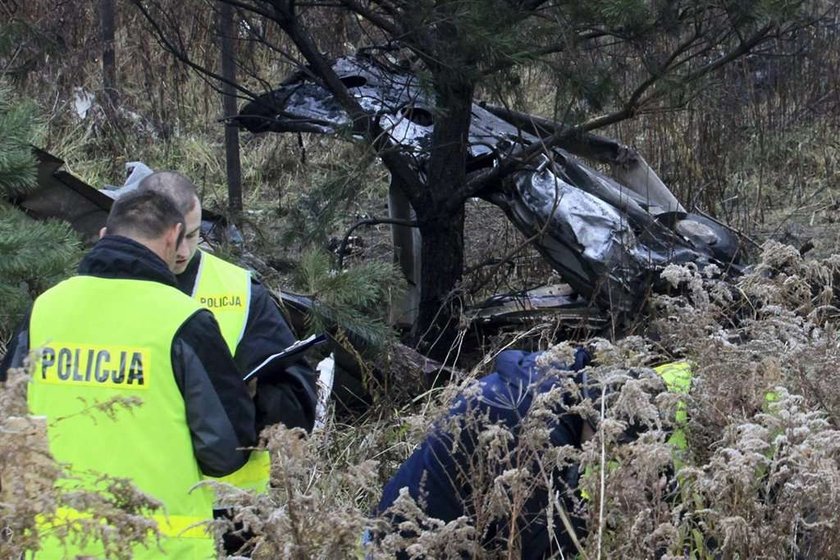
x: 37, y: 494
x: 760, y: 474
x: 758, y: 478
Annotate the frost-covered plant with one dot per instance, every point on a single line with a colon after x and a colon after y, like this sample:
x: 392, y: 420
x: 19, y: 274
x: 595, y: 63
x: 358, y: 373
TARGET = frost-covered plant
x: 312, y: 509
x: 762, y: 411
x: 770, y: 487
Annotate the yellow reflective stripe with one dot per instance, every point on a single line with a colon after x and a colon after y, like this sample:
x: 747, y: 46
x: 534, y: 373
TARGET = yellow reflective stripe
x: 62, y: 516
x: 253, y: 475
x: 677, y: 378
x: 181, y: 526
x: 676, y: 375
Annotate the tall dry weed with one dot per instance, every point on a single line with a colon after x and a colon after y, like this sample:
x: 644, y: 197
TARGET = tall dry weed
x: 757, y: 478
x: 763, y: 415
x: 758, y: 475
x: 36, y: 492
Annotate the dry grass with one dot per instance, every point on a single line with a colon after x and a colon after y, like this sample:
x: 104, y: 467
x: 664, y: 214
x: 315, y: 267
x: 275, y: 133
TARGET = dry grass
x: 756, y: 480
x: 759, y: 478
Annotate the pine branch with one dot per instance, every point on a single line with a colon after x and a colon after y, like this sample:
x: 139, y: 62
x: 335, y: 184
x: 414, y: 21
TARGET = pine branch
x: 17, y: 164
x: 352, y: 299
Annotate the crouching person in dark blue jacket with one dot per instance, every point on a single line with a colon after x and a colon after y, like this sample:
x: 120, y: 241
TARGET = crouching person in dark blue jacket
x: 494, y: 469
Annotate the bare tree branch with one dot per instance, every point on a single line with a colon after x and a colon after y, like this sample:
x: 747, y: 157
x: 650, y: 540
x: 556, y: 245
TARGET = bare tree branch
x: 389, y: 26
x: 363, y: 123
x: 180, y: 54
x: 531, y: 5
x: 342, y: 248
x: 482, y: 179
x: 249, y: 7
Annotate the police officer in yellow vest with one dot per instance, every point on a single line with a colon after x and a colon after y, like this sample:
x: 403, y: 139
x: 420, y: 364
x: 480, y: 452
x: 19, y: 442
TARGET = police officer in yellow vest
x: 121, y: 328
x: 253, y: 329
x: 251, y: 323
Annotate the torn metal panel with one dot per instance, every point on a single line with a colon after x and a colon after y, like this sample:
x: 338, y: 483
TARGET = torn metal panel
x: 558, y: 301
x: 60, y: 195
x: 406, y: 247
x: 403, y: 107
x: 585, y: 239
x: 619, y: 197
x: 629, y: 168
x: 642, y: 179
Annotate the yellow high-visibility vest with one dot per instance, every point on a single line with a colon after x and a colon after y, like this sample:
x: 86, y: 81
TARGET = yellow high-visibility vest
x: 677, y: 378
x: 225, y: 289
x: 98, y: 339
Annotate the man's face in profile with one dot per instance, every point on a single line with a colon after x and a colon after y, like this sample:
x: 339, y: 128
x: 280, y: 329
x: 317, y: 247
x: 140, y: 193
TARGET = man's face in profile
x: 188, y: 247
x: 171, y: 244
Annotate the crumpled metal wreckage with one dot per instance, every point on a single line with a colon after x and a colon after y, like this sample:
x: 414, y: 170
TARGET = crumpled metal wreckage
x: 608, y: 237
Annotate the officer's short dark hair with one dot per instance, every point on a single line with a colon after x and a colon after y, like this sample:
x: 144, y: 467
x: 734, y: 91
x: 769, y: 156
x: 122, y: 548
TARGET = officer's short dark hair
x: 143, y: 214
x: 179, y: 188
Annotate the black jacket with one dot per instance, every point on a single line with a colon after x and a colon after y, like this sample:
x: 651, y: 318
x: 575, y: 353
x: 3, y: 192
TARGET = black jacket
x: 290, y: 398
x: 220, y: 413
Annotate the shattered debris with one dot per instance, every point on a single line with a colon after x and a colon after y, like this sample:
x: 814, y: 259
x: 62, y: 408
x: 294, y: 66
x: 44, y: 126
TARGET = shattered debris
x: 607, y: 236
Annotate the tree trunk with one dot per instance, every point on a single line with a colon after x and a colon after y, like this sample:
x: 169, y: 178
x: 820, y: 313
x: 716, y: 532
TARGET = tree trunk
x: 228, y: 62
x: 442, y: 264
x: 441, y: 217
x: 107, y: 22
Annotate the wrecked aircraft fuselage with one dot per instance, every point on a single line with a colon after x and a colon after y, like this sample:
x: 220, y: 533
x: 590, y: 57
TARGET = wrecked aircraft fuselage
x: 606, y: 236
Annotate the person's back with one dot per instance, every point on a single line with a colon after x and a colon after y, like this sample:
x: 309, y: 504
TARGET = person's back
x: 123, y: 354
x: 122, y: 331
x: 444, y: 475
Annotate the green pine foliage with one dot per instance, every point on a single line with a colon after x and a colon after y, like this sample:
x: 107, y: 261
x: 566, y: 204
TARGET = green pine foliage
x: 329, y: 202
x: 355, y: 299
x: 17, y: 165
x: 322, y: 209
x: 33, y: 255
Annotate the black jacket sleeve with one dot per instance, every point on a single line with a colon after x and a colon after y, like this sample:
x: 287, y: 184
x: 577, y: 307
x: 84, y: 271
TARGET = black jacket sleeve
x: 220, y: 412
x: 290, y: 397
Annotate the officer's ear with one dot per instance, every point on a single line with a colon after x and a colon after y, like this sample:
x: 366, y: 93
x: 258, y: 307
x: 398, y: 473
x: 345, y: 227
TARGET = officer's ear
x: 179, y: 227
x: 176, y: 234
x: 173, y: 236
x: 103, y: 232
